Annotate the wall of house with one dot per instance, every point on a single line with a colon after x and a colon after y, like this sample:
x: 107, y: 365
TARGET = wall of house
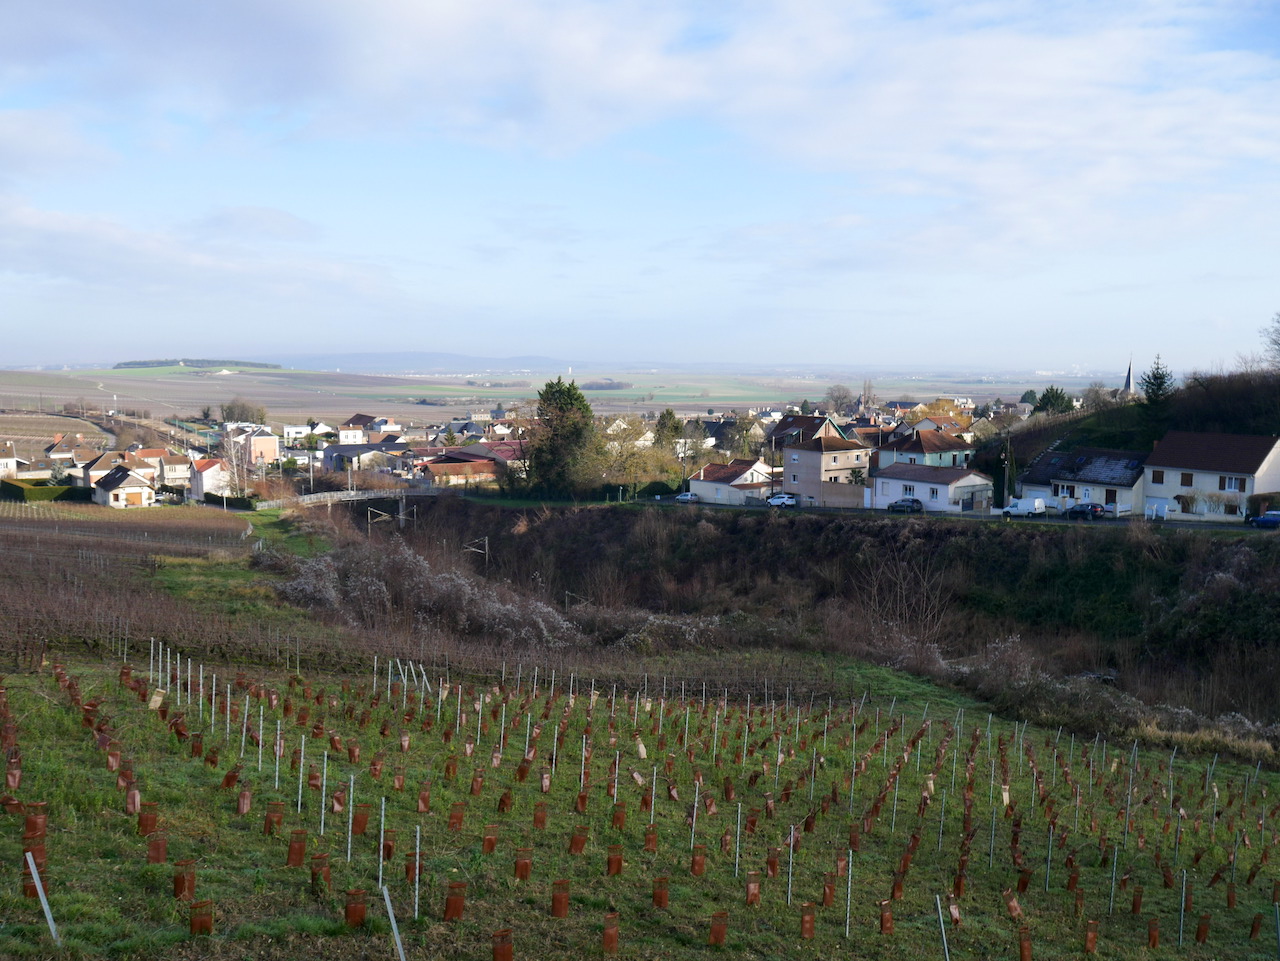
x: 1200, y: 495
x: 935, y: 497
x: 1064, y: 494
x: 825, y: 479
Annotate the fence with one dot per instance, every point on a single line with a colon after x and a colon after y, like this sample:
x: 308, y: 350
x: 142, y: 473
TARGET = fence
x: 332, y: 497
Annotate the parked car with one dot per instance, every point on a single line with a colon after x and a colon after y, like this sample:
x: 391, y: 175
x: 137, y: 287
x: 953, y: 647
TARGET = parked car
x: 906, y: 505
x: 782, y: 500
x: 687, y: 497
x: 1086, y: 510
x: 1268, y: 521
x: 1022, y: 507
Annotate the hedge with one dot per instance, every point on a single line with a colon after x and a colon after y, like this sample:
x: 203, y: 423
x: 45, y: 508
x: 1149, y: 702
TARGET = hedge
x: 30, y: 493
x: 239, y: 503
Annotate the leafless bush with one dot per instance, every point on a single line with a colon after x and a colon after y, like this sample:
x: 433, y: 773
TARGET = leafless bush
x: 375, y: 585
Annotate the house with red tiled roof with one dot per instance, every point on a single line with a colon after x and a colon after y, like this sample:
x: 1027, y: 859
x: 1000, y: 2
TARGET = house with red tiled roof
x: 1192, y: 475
x: 740, y: 481
x: 935, y: 448
x: 209, y: 475
x: 827, y: 471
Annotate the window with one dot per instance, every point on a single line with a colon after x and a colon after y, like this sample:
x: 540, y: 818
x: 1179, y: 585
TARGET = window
x: 833, y: 480
x: 1188, y: 479
x: 793, y: 478
x: 835, y: 458
x: 933, y: 493
x: 911, y: 460
x: 908, y: 490
x: 1231, y: 484
x: 1157, y: 477
x: 795, y: 458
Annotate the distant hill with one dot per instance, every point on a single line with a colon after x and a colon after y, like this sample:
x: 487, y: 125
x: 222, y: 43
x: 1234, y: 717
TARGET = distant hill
x: 421, y: 362
x: 190, y: 362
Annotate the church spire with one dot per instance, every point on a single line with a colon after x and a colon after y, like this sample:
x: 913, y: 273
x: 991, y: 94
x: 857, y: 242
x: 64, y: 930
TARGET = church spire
x: 1128, y: 380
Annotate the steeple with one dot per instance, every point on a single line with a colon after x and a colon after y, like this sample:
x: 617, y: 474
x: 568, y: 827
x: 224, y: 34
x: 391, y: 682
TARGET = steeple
x: 1128, y: 380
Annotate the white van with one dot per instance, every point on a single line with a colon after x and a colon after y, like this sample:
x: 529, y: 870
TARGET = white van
x: 1022, y: 507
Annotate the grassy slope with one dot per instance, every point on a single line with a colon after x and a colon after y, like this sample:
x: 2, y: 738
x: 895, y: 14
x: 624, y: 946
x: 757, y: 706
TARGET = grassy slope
x: 109, y: 902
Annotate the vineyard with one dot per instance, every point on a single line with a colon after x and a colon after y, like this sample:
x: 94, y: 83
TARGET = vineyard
x: 174, y: 808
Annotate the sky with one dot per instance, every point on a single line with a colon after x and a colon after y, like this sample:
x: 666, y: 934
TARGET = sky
x: 990, y: 184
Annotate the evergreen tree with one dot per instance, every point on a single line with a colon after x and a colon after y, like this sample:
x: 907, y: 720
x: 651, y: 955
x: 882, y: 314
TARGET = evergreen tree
x: 563, y: 450
x: 1156, y: 384
x: 666, y: 430
x: 1054, y: 400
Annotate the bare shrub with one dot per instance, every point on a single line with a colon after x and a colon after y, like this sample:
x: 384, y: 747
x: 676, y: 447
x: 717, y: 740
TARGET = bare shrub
x: 387, y: 584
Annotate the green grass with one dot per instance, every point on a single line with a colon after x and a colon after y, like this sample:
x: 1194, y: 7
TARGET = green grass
x: 110, y: 903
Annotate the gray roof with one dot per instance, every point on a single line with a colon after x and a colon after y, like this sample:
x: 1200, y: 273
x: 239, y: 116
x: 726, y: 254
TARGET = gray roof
x: 1087, y: 465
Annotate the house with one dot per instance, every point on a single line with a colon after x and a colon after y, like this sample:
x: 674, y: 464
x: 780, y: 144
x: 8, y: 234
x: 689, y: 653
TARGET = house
x: 355, y: 429
x: 947, y: 489
x: 209, y: 476
x: 794, y: 429
x: 1205, y: 476
x: 935, y: 448
x: 507, y: 454
x: 291, y: 434
x: 461, y: 473
x: 640, y: 437
x: 42, y: 468
x: 358, y: 456
x: 956, y: 427
x: 104, y: 464
x: 902, y: 409
x: 730, y: 436
x: 122, y: 487
x: 8, y: 459
x: 254, y: 445
x: 738, y: 482
x: 827, y: 472
x: 174, y: 471
x: 1087, y: 475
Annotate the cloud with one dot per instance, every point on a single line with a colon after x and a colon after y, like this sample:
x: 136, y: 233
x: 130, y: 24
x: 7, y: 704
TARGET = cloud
x: 253, y: 223
x: 103, y: 253
x: 35, y: 141
x: 1025, y: 118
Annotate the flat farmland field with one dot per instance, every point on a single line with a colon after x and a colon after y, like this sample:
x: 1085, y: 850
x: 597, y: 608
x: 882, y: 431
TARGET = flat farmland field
x: 31, y: 433
x: 294, y: 396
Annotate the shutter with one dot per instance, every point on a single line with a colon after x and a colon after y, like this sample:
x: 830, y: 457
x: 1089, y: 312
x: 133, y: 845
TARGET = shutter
x: 1222, y: 483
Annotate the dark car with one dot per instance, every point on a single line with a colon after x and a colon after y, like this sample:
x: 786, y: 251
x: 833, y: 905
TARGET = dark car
x: 1088, y: 511
x: 906, y: 505
x: 1270, y: 520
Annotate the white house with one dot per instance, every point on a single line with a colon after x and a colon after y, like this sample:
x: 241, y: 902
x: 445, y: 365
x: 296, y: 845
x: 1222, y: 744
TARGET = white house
x: 733, y: 483
x: 209, y: 476
x: 1203, y: 476
x: 1096, y: 475
x: 8, y: 459
x: 122, y: 487
x: 951, y: 490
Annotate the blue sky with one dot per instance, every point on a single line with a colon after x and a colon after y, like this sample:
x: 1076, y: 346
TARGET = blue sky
x: 982, y: 185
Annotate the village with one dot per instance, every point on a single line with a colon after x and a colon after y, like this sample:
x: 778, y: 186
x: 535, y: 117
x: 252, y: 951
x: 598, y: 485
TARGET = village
x: 895, y: 456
